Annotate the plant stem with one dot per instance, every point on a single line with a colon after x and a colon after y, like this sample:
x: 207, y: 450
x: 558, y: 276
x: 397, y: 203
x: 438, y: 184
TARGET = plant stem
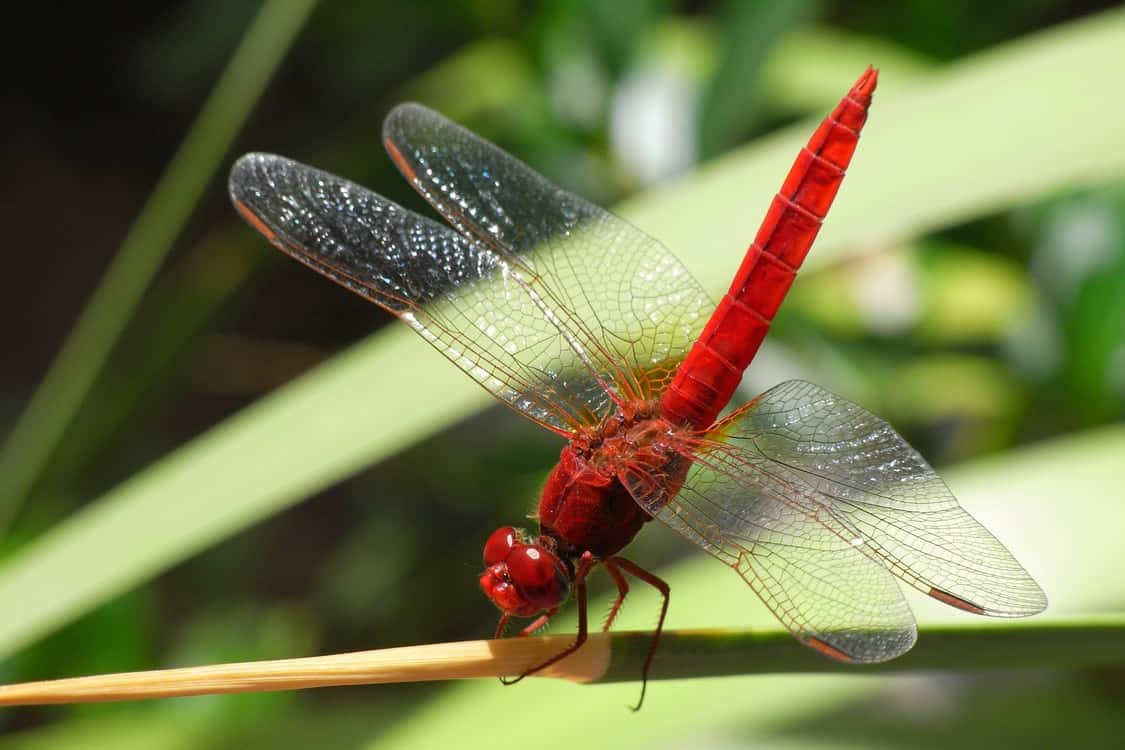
x: 1069, y: 644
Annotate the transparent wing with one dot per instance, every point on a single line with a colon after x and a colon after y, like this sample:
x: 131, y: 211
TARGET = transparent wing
x: 830, y: 593
x: 467, y: 300
x: 629, y: 307
x: 816, y: 502
x: 858, y: 475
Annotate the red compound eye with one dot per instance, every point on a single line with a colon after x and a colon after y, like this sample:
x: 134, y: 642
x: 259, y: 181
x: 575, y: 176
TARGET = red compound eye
x: 500, y: 544
x: 539, y: 575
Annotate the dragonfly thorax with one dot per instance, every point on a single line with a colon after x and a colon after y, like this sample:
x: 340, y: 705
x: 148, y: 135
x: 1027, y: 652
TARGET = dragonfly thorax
x: 626, y: 435
x: 588, y: 503
x: 585, y: 507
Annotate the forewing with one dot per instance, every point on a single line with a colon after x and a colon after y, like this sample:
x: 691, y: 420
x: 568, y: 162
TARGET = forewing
x: 866, y: 482
x: 827, y: 591
x: 460, y: 295
x: 630, y: 306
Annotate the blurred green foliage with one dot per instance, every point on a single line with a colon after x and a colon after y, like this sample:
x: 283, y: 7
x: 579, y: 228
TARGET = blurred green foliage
x: 975, y: 338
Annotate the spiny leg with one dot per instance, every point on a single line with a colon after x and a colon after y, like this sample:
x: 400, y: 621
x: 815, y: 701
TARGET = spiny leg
x: 585, y: 563
x: 538, y: 622
x: 622, y: 592
x: 660, y: 585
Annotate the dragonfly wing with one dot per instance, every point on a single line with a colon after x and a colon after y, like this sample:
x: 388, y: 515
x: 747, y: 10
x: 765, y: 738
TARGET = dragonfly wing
x: 828, y: 592
x: 871, y: 483
x: 631, y: 308
x: 464, y: 298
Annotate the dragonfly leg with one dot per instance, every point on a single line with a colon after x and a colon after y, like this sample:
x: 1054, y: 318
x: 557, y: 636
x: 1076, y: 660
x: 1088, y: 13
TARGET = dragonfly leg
x: 502, y: 625
x: 622, y: 592
x: 585, y: 563
x: 538, y: 622
x: 660, y: 585
x: 534, y: 625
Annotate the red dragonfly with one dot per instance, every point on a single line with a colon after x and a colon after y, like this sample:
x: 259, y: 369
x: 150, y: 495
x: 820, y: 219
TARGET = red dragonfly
x: 595, y: 331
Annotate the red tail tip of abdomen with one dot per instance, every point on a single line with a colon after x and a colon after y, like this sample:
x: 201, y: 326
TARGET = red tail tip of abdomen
x: 866, y: 84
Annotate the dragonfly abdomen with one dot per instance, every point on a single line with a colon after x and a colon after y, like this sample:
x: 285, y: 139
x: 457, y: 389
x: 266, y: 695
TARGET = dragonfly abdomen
x: 711, y: 372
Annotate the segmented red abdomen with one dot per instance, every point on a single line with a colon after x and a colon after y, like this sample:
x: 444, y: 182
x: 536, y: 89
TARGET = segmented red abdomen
x: 708, y: 376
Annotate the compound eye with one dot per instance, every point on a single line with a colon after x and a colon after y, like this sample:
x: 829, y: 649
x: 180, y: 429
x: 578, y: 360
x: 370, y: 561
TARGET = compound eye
x: 539, y: 575
x: 499, y: 545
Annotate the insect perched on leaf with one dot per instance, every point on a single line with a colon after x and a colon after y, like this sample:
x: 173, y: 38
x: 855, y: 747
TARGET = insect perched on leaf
x: 595, y: 331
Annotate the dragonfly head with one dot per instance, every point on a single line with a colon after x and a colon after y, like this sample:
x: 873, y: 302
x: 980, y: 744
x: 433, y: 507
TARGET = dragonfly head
x: 522, y: 579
